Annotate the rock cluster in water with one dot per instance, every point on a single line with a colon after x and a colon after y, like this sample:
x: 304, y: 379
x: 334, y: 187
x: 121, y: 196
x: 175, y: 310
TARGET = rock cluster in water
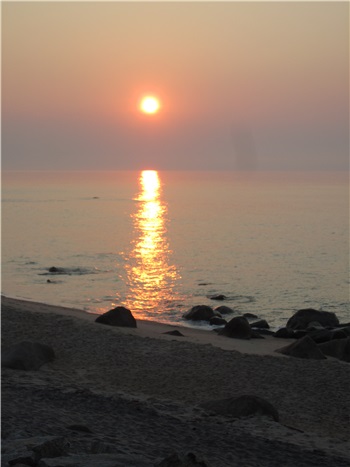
x: 317, y: 333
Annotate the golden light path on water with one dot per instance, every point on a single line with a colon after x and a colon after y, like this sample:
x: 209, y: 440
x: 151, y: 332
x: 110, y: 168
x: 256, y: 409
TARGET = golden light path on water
x: 151, y: 277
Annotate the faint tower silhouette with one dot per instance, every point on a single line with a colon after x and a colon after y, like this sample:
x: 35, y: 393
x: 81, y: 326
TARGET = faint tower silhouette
x: 244, y: 148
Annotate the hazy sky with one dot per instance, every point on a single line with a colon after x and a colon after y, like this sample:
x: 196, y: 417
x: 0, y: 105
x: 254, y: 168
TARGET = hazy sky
x: 243, y: 85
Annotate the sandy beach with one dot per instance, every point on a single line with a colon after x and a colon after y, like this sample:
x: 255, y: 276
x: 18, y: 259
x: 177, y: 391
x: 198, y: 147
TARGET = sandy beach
x: 133, y: 395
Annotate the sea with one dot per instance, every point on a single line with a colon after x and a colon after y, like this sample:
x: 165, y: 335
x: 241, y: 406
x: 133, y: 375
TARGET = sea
x: 161, y: 242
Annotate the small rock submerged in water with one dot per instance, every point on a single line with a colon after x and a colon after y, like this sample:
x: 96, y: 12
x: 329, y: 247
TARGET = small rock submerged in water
x: 217, y: 321
x: 224, y: 310
x: 218, y: 297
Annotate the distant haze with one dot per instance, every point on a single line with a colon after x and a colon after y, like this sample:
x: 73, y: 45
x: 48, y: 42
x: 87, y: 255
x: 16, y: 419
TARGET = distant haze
x: 243, y: 86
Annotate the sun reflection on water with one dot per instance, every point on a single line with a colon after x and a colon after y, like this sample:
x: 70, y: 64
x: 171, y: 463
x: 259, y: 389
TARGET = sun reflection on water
x: 151, y: 277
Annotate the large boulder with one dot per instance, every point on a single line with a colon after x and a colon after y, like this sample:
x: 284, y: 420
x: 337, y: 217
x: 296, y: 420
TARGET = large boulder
x: 26, y: 355
x: 200, y: 313
x: 303, y: 348
x: 338, y: 348
x: 302, y: 318
x: 238, y: 328
x: 243, y: 406
x: 119, y: 316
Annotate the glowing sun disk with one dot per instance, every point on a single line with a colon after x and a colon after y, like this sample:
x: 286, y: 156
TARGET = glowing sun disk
x: 149, y: 105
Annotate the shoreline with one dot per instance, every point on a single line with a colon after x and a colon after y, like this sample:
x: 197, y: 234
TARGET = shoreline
x: 138, y: 392
x: 156, y: 330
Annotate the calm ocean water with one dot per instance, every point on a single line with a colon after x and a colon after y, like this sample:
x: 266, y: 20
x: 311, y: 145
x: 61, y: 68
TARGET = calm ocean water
x: 161, y: 242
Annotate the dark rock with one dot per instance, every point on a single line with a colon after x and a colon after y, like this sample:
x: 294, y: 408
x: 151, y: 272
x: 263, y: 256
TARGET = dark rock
x: 300, y: 333
x: 325, y: 335
x: 216, y: 321
x: 29, y: 451
x: 19, y: 457
x: 55, y: 270
x: 249, y: 316
x: 343, y: 325
x: 243, y: 406
x: 303, y: 348
x: 337, y: 348
x: 238, y: 328
x: 224, y: 310
x: 302, y: 318
x: 218, y: 297
x: 26, y: 356
x: 285, y: 333
x: 314, y: 325
x: 119, y: 316
x: 200, y: 313
x: 82, y: 428
x: 50, y: 446
x: 174, y: 333
x: 320, y: 335
x: 261, y: 324
x: 341, y: 333
x: 176, y: 460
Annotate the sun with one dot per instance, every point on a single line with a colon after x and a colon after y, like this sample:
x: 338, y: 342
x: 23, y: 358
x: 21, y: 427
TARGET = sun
x: 149, y: 105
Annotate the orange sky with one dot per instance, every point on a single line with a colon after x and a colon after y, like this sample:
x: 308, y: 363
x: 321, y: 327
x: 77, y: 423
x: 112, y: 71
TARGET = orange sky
x: 73, y: 74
